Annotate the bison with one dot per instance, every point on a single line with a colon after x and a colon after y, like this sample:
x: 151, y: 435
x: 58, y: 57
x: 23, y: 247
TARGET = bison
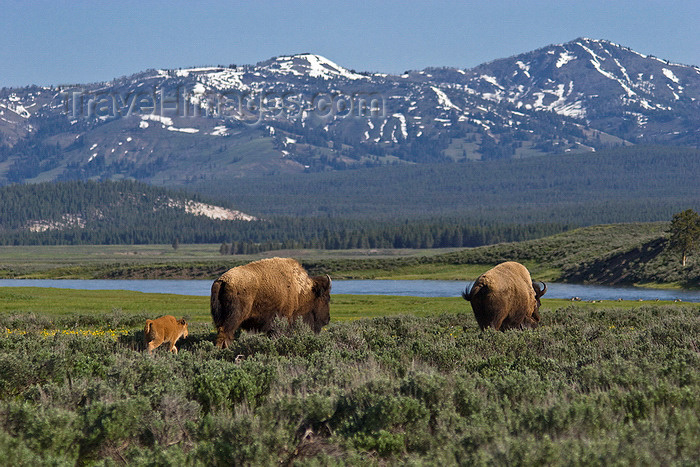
x: 505, y: 297
x: 163, y: 329
x: 251, y: 296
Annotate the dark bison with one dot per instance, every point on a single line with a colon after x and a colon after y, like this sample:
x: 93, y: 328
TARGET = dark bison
x: 251, y: 296
x: 505, y: 297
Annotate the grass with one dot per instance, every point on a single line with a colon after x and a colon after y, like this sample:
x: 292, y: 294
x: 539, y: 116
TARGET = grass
x: 93, y: 261
x: 621, y: 254
x: 65, y: 302
x: 437, y: 271
x: 598, y: 254
x: 391, y: 380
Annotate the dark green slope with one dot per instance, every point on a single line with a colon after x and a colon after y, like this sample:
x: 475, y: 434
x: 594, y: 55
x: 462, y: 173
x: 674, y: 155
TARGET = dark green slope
x: 621, y: 185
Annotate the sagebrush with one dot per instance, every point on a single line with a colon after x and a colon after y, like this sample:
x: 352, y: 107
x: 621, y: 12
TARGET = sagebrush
x: 590, y: 387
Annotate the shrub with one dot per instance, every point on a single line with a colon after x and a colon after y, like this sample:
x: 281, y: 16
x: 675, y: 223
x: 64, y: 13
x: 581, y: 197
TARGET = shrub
x: 592, y: 386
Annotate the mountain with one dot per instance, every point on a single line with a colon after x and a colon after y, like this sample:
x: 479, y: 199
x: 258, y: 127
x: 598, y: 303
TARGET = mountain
x: 305, y: 113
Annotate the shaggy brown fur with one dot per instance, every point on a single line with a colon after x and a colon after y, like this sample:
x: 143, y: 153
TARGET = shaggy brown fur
x: 251, y: 296
x: 505, y: 297
x: 163, y: 329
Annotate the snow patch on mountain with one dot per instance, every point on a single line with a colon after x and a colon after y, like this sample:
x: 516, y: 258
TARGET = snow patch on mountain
x: 525, y: 68
x: 183, y: 130
x: 491, y: 80
x: 67, y: 221
x: 314, y: 66
x: 220, y: 130
x: 186, y: 72
x: 224, y: 79
x: 669, y: 74
x: 165, y: 121
x: 596, y: 60
x: 564, y: 58
x: 443, y: 100
x: 215, y: 212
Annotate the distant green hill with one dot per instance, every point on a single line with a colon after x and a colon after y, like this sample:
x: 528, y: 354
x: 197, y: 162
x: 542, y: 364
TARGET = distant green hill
x: 128, y: 212
x: 123, y: 212
x: 603, y: 254
x: 632, y: 184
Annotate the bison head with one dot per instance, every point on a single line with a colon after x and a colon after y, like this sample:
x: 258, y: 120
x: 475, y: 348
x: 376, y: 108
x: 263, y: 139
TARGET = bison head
x: 539, y: 291
x: 182, y: 322
x: 320, y: 314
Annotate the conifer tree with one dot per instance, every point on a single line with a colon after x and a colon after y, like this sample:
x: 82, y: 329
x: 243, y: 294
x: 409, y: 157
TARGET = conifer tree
x: 685, y: 233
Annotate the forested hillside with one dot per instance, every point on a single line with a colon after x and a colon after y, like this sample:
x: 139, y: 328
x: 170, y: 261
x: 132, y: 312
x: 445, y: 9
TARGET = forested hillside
x: 633, y: 184
x: 134, y: 213
x: 422, y: 206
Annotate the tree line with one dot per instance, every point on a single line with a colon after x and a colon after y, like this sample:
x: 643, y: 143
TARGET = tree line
x: 377, y: 235
x: 127, y: 212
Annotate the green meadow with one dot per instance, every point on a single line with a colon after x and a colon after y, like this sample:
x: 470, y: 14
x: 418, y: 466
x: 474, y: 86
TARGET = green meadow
x: 64, y: 303
x: 616, y: 254
x: 391, y: 380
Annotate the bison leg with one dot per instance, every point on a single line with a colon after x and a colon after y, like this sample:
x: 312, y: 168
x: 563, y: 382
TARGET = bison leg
x: 311, y: 320
x: 229, y: 310
x: 499, y: 322
x: 231, y: 325
x: 155, y: 343
x: 511, y: 322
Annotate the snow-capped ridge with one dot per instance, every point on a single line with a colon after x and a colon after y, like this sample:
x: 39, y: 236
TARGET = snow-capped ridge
x: 560, y: 97
x: 307, y: 64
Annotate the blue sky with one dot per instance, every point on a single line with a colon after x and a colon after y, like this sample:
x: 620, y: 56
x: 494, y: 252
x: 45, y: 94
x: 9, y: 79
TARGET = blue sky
x: 47, y: 43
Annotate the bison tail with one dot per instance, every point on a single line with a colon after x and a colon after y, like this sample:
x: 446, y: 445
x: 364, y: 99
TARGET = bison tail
x: 215, y: 304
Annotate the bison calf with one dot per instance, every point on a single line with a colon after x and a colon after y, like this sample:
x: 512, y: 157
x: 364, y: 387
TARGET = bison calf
x: 505, y: 297
x: 251, y: 296
x: 163, y: 329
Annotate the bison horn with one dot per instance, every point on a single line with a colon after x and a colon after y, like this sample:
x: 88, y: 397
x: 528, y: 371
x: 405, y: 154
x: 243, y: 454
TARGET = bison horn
x: 544, y: 288
x: 330, y: 282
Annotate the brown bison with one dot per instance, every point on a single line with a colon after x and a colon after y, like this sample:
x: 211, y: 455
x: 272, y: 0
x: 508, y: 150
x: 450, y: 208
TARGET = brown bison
x: 163, y: 329
x: 251, y: 296
x: 505, y: 297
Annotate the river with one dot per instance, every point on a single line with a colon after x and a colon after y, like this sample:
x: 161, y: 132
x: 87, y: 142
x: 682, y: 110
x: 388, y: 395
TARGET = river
x: 417, y: 288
